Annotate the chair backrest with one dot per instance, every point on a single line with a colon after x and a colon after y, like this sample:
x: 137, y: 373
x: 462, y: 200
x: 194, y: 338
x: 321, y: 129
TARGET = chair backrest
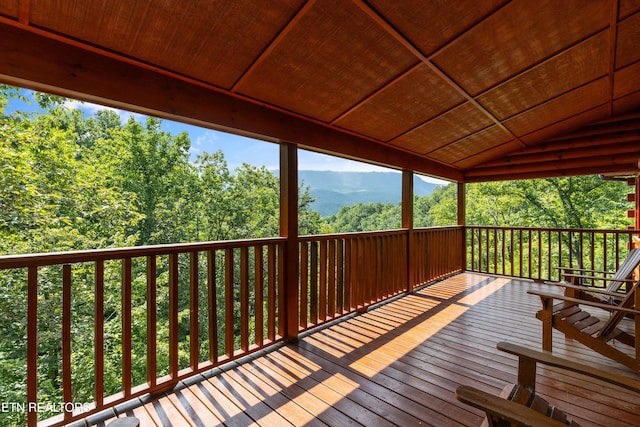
x: 617, y: 316
x: 625, y: 270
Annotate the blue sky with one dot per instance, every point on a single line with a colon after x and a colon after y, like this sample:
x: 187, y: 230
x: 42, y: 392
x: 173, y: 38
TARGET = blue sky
x: 236, y: 149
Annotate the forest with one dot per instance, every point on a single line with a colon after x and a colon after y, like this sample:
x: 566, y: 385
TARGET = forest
x: 71, y: 182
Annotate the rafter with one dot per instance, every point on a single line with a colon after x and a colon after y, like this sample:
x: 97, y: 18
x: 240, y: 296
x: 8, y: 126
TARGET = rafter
x: 580, y: 166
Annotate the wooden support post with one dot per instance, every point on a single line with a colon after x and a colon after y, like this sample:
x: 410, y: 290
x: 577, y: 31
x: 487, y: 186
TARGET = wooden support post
x: 462, y: 212
x: 289, y: 229
x: 407, y: 223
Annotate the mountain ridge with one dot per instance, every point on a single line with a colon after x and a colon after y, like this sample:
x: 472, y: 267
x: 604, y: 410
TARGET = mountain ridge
x: 334, y: 189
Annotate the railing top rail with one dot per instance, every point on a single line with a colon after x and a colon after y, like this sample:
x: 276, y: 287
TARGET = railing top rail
x: 435, y: 228
x: 354, y: 235
x: 71, y: 257
x: 321, y: 237
x: 573, y: 230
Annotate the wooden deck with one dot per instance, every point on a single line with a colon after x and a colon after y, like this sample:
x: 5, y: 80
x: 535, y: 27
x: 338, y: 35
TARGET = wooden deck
x: 398, y: 364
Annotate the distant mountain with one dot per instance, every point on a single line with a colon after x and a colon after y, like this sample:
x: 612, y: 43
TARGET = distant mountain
x: 332, y: 190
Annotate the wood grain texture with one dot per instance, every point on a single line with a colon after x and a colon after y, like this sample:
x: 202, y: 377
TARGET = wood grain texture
x: 400, y: 364
x: 501, y: 46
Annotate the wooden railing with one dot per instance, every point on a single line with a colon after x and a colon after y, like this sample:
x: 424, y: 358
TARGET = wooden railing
x: 179, y: 310
x: 344, y: 273
x: 160, y: 314
x: 182, y: 309
x: 436, y: 253
x: 534, y: 253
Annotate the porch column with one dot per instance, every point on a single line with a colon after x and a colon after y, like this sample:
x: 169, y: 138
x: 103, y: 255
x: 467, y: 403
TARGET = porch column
x: 462, y: 212
x: 407, y: 222
x: 289, y: 229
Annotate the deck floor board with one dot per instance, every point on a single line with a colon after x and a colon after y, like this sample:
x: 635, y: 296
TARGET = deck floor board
x: 399, y: 365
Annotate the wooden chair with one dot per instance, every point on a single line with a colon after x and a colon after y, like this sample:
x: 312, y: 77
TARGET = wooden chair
x: 578, y: 284
x: 570, y: 317
x: 521, y: 406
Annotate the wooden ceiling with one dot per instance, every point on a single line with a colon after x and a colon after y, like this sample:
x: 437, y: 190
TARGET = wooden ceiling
x: 461, y: 89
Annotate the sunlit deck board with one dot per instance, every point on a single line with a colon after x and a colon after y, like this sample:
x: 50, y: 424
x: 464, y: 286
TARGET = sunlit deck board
x: 399, y: 364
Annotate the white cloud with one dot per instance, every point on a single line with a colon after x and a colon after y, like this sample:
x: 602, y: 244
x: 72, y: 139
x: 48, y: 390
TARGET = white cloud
x: 91, y: 109
x: 208, y: 137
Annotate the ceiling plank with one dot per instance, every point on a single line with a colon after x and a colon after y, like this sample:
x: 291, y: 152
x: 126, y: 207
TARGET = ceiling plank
x: 407, y: 44
x: 273, y: 44
x: 33, y: 60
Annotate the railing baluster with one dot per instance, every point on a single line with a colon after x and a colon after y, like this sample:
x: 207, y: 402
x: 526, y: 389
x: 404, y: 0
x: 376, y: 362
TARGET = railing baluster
x: 340, y: 264
x: 32, y: 346
x: 229, y: 299
x: 331, y: 309
x: 271, y: 293
x: 66, y: 338
x: 323, y: 281
x: 244, y: 299
x: 173, y: 316
x: 313, y: 285
x: 529, y: 248
x: 126, y: 326
x: 194, y: 328
x: 152, y: 273
x: 348, y: 264
x: 99, y: 333
x: 549, y: 258
x: 304, y: 285
x: 281, y: 295
x: 258, y: 257
x: 212, y: 297
x: 520, y: 250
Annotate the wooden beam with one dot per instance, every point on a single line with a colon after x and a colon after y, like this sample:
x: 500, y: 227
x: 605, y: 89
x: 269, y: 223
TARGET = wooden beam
x: 462, y: 221
x: 289, y: 229
x: 462, y: 204
x: 586, y: 150
x: 551, y: 173
x: 581, y: 166
x: 407, y: 222
x: 34, y: 59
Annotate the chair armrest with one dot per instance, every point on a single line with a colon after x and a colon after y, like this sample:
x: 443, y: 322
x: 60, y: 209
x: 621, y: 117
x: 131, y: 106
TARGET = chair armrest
x: 605, y: 279
x: 505, y: 409
x: 546, y: 295
x: 547, y: 358
x: 599, y: 291
x: 585, y: 269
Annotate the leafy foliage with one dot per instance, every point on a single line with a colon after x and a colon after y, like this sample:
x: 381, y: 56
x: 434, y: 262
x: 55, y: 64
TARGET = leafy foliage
x: 71, y: 182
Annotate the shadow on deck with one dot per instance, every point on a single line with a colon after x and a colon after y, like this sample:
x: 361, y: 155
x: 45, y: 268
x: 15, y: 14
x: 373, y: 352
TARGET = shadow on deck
x: 397, y: 364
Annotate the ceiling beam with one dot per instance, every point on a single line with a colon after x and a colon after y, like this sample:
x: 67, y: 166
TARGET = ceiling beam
x: 33, y: 59
x: 559, y: 167
x: 563, y: 155
x: 578, y: 171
